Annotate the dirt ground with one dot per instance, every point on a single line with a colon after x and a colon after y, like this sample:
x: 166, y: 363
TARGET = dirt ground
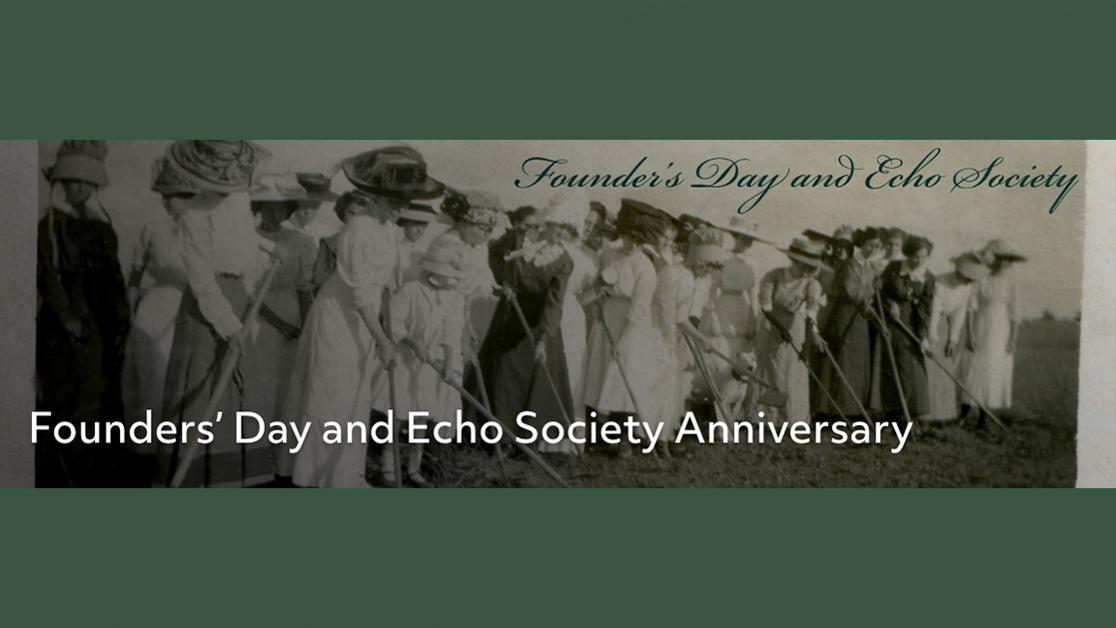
x: 1038, y: 450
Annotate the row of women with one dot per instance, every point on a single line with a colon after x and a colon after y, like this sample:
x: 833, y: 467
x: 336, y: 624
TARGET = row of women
x: 559, y: 310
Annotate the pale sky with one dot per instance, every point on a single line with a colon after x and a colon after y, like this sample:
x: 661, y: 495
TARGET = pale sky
x: 954, y: 221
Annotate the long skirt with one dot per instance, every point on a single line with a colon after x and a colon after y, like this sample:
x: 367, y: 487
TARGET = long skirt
x: 988, y: 370
x: 640, y: 357
x: 848, y: 336
x: 147, y: 353
x: 332, y: 381
x: 910, y: 364
x: 195, y: 360
x: 944, y: 401
x: 779, y: 365
x: 574, y: 339
x: 71, y: 386
x: 268, y: 379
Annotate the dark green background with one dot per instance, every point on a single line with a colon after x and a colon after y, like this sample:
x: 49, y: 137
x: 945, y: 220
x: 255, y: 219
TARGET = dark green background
x: 571, y: 69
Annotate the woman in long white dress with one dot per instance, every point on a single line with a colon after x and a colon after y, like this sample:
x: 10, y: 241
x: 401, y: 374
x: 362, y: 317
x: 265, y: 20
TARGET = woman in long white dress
x: 158, y: 255
x: 953, y: 308
x: 790, y: 298
x: 703, y: 252
x: 341, y: 342
x: 988, y: 365
x: 627, y: 287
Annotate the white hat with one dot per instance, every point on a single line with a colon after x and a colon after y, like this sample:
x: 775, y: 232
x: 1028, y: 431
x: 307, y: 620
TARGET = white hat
x: 277, y: 187
x: 739, y: 226
x: 568, y: 210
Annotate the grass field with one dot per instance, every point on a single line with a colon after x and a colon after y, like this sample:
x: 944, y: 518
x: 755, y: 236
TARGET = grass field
x: 1039, y: 451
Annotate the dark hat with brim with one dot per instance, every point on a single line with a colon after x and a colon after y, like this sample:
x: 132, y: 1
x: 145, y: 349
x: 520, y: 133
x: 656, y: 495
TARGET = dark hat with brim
x: 642, y: 222
x: 394, y: 172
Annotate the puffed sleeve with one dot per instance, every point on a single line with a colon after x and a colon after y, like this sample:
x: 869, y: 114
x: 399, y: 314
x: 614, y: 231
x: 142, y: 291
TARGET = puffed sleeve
x: 197, y: 253
x: 815, y: 299
x: 766, y: 294
x: 365, y: 260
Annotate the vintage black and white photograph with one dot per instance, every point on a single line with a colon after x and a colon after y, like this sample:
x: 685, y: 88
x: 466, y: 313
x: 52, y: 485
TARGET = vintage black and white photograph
x: 240, y: 313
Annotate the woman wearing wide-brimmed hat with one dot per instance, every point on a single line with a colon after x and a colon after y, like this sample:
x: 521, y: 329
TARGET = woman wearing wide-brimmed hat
x: 221, y: 251
x: 952, y: 318
x: 157, y: 256
x: 989, y: 363
x: 627, y: 285
x: 907, y: 290
x: 343, y: 344
x: 83, y: 311
x: 790, y: 298
x: 847, y: 329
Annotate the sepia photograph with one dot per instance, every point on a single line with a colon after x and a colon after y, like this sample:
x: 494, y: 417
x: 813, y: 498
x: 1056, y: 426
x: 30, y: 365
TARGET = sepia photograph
x: 484, y: 314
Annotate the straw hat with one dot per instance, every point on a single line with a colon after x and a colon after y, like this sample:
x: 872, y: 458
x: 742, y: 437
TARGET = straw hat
x: 1002, y: 249
x: 844, y: 233
x: 707, y: 245
x: 567, y: 210
x: 739, y: 226
x: 219, y: 165
x: 443, y: 258
x: 393, y: 172
x: 970, y: 266
x: 417, y: 212
x: 278, y: 187
x: 808, y: 252
x: 80, y: 160
x: 168, y: 181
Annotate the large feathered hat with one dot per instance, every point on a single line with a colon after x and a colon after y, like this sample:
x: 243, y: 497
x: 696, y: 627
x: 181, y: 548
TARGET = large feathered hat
x: 168, y: 181
x: 219, y: 165
x: 476, y: 208
x: 80, y: 160
x: 393, y: 172
x: 642, y: 222
x: 568, y: 210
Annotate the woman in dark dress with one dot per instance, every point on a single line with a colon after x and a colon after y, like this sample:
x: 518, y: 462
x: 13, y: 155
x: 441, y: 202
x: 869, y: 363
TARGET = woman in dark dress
x: 527, y: 371
x: 83, y: 316
x: 847, y: 328
x: 907, y: 289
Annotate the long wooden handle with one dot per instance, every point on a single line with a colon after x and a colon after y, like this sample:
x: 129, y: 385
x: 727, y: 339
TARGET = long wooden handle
x: 224, y: 376
x: 953, y: 377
